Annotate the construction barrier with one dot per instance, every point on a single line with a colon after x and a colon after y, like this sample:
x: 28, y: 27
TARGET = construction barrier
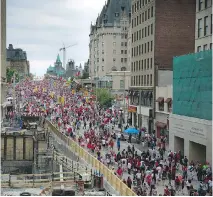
x: 113, y: 180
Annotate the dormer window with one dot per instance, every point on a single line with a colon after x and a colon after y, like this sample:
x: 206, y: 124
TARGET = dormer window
x: 116, y: 14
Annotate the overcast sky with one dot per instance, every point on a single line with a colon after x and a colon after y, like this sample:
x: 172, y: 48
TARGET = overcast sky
x: 40, y: 27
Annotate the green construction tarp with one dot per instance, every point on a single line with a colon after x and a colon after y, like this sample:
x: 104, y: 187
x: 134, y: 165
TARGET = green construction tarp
x: 192, y: 85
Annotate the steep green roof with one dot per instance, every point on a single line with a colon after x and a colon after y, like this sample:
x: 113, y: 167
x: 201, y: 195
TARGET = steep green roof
x: 58, y: 59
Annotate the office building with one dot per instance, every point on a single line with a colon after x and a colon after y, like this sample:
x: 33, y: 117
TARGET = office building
x: 203, y: 30
x: 160, y: 30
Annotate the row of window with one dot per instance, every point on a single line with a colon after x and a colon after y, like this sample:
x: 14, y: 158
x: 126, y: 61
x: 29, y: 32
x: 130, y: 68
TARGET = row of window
x: 98, y: 69
x: 203, y: 26
x: 205, y: 47
x: 141, y: 80
x: 141, y: 65
x: 114, y: 52
x: 161, y: 106
x: 138, y: 5
x: 123, y: 51
x: 143, y: 33
x: 114, y: 36
x: 114, y: 44
x: 203, y: 4
x: 142, y: 49
x: 114, y: 59
x: 124, y: 36
x: 143, y: 17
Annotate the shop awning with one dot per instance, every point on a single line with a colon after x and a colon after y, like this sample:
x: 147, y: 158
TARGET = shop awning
x: 160, y: 99
x: 168, y: 100
x: 160, y: 125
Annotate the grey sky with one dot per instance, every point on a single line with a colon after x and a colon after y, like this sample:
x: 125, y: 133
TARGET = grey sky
x: 40, y: 27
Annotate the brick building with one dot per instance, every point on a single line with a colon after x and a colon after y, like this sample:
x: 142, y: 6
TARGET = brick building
x: 160, y: 30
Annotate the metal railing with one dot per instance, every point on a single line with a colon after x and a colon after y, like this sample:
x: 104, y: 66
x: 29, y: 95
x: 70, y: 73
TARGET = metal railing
x: 114, y: 181
x: 37, y: 180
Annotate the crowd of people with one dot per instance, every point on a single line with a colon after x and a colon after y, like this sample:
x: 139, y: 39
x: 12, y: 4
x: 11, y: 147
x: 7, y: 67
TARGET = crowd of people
x: 94, y: 128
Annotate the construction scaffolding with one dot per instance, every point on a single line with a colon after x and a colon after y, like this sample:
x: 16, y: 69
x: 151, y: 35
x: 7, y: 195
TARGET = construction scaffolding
x: 192, y: 85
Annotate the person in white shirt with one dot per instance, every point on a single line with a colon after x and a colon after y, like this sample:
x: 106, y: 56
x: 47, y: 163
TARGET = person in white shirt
x: 159, y: 175
x: 129, y: 166
x: 138, y: 176
x: 119, y: 135
x: 103, y: 142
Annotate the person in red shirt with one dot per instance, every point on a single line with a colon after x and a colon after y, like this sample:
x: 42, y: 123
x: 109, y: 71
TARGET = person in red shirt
x: 111, y: 144
x: 119, y: 172
x: 129, y: 182
x: 166, y: 191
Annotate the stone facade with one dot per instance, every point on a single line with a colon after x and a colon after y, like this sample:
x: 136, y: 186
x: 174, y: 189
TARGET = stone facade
x: 120, y: 80
x: 72, y: 69
x: 163, y: 108
x: 17, y: 60
x: 192, y: 136
x: 203, y: 31
x: 108, y: 48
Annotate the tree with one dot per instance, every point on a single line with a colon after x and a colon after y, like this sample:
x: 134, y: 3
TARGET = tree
x: 85, y: 75
x: 9, y: 74
x: 104, y: 97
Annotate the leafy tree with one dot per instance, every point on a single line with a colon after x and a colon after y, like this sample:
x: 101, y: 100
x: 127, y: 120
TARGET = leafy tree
x: 85, y: 75
x: 9, y: 74
x: 104, y: 97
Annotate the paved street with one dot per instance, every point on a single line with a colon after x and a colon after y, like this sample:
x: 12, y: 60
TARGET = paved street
x: 139, y: 149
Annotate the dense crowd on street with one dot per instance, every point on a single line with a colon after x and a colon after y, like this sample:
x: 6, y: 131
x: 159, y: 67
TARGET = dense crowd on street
x: 95, y: 129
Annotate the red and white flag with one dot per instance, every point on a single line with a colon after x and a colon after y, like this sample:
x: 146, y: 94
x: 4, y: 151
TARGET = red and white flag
x: 77, y: 74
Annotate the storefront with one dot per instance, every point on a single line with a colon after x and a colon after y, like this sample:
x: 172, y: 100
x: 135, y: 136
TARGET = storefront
x: 145, y: 119
x: 192, y: 136
x: 162, y: 128
x: 132, y: 114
